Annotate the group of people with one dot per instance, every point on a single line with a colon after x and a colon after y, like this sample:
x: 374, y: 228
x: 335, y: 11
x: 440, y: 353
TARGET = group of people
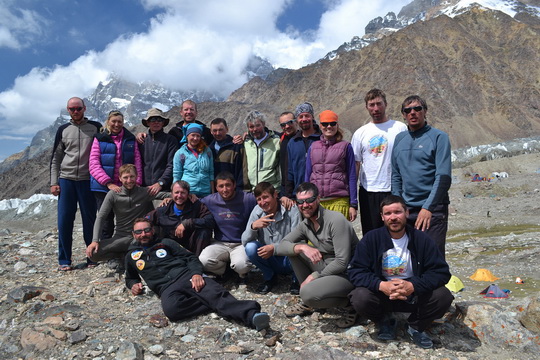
x: 280, y: 202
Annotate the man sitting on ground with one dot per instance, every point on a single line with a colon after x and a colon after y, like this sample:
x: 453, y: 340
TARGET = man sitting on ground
x: 319, y: 250
x: 399, y: 268
x: 268, y: 223
x: 183, y: 220
x: 129, y: 204
x: 175, y: 275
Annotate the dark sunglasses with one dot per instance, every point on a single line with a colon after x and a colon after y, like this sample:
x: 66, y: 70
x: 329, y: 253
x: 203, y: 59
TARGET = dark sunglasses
x: 73, y: 109
x: 415, y: 108
x: 326, y: 124
x: 310, y: 200
x: 145, y: 230
x: 155, y: 119
x: 290, y: 122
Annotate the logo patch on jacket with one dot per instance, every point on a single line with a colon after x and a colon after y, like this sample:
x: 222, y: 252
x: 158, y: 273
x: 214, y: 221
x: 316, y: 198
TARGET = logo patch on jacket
x: 140, y: 264
x: 161, y: 253
x: 136, y: 255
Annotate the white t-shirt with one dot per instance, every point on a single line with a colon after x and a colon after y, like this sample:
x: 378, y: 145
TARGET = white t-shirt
x: 396, y: 262
x: 372, y: 145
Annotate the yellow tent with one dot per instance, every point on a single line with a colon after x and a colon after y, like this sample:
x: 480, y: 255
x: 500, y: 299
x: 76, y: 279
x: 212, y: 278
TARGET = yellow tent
x: 483, y: 275
x: 455, y: 284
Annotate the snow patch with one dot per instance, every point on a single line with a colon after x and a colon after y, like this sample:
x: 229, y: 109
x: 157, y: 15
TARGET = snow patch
x: 22, y: 205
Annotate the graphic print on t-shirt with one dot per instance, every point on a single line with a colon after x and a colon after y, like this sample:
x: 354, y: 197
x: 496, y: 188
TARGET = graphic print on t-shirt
x: 377, y: 145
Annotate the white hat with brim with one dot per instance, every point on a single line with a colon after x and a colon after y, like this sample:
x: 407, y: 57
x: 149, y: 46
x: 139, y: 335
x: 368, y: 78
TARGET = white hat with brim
x: 155, y: 112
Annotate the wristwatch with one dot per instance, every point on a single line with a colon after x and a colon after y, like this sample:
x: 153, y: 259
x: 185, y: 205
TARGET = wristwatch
x: 160, y: 183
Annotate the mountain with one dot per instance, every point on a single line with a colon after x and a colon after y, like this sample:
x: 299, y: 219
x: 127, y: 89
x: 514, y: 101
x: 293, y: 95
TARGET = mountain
x: 477, y: 70
x: 526, y: 11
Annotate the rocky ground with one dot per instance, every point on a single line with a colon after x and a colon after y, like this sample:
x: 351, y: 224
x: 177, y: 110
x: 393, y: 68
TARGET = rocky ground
x: 88, y: 314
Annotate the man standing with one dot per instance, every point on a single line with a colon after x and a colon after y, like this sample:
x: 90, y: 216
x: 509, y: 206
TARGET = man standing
x: 422, y: 171
x: 228, y: 155
x: 70, y: 178
x: 188, y: 112
x: 157, y: 151
x: 231, y: 210
x: 397, y: 268
x: 288, y: 123
x: 319, y: 250
x: 261, y: 153
x: 268, y: 223
x: 130, y: 203
x: 175, y: 275
x: 298, y: 146
x: 372, y: 145
x: 183, y: 220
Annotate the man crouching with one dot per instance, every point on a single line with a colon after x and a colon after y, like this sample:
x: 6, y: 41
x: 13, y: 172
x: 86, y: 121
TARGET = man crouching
x: 175, y: 275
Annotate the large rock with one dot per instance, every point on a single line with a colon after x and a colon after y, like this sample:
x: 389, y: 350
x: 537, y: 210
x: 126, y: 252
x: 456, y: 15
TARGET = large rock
x: 531, y: 316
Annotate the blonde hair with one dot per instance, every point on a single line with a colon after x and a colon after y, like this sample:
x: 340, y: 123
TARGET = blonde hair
x: 111, y: 114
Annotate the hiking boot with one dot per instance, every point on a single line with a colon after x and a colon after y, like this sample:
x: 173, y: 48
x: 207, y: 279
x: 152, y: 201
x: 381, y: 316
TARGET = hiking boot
x: 260, y: 321
x: 299, y: 309
x: 348, y: 319
x: 387, y: 329
x: 420, y: 338
x: 266, y: 286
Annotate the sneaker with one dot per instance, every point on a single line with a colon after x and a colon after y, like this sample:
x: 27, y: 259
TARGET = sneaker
x: 266, y: 287
x: 260, y: 321
x: 420, y: 338
x: 387, y: 329
x: 299, y: 309
x: 348, y: 320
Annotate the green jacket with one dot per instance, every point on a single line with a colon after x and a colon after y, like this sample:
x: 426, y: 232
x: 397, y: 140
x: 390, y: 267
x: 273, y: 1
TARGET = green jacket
x: 261, y: 162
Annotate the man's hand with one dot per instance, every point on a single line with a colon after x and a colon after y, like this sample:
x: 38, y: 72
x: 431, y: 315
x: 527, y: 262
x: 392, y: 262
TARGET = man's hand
x: 179, y: 232
x: 287, y: 203
x: 55, y: 190
x: 266, y: 251
x: 397, y: 289
x: 238, y: 139
x: 197, y: 282
x: 114, y: 187
x: 311, y: 253
x: 137, y: 289
x: 154, y: 189
x: 352, y: 214
x: 263, y: 222
x: 307, y: 281
x: 140, y: 137
x: 165, y: 202
x: 92, y: 249
x: 423, y: 220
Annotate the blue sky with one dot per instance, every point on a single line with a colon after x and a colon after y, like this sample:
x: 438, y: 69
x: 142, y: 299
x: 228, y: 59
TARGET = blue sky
x: 52, y: 50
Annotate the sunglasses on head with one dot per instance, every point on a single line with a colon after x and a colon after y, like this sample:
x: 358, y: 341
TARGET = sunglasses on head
x: 73, y: 109
x: 326, y: 124
x: 407, y: 110
x: 310, y: 200
x: 290, y: 122
x: 145, y: 230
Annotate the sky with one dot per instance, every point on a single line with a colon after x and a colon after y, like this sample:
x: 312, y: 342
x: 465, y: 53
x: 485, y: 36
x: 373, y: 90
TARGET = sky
x: 55, y: 49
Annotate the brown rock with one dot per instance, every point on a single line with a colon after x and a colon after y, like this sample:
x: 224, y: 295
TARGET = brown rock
x: 531, y: 316
x: 159, y: 320
x: 34, y: 340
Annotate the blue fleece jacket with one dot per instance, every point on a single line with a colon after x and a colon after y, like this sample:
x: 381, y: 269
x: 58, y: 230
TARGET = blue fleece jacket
x: 422, y: 167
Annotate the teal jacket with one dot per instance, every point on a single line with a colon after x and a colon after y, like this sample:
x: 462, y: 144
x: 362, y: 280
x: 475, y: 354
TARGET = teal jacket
x: 422, y: 167
x: 198, y: 171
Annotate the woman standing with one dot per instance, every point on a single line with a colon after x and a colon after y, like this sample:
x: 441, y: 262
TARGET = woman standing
x: 330, y: 165
x: 113, y: 147
x: 194, y: 163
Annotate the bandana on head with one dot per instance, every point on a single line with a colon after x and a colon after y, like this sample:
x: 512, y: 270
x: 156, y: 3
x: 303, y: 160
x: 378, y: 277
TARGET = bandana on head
x: 304, y: 108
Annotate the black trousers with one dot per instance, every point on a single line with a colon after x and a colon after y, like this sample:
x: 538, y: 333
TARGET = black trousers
x: 370, y: 213
x: 427, y: 307
x: 438, y: 227
x: 180, y: 301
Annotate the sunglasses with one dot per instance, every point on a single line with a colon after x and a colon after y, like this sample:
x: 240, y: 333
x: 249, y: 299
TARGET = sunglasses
x: 115, y: 112
x: 407, y: 110
x: 155, y: 119
x: 290, y: 122
x: 326, y: 124
x: 73, y: 109
x: 310, y: 200
x: 145, y: 230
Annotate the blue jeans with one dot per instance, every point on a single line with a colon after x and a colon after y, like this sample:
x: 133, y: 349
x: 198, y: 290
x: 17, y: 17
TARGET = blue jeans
x: 71, y: 193
x: 269, y: 267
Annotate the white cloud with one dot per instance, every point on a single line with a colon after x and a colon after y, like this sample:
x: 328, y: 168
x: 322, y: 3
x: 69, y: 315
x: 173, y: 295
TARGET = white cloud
x: 190, y: 44
x: 19, y: 28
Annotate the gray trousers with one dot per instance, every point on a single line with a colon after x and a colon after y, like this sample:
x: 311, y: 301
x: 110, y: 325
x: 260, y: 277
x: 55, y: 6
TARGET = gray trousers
x: 323, y: 292
x: 113, y: 248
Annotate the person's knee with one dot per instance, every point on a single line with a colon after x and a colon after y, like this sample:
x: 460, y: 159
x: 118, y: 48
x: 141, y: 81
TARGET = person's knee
x: 359, y: 298
x: 251, y: 249
x: 171, y: 311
